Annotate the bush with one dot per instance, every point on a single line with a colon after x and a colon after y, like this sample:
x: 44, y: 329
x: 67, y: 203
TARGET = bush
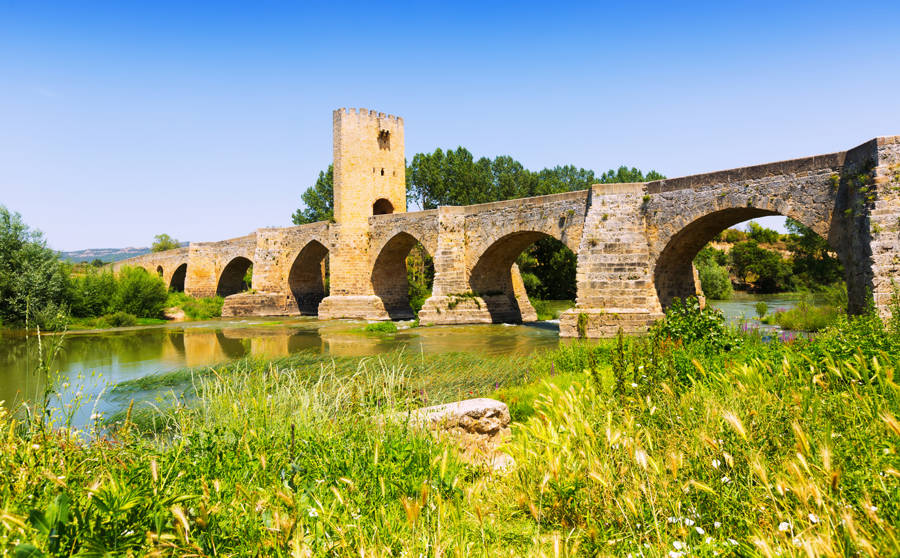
x: 120, y: 319
x: 381, y: 327
x: 93, y: 294
x: 715, y: 282
x: 196, y: 308
x: 687, y: 322
x: 140, y: 293
x: 806, y: 317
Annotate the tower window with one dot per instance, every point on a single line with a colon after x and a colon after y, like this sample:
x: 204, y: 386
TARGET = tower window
x: 384, y: 140
x: 382, y: 172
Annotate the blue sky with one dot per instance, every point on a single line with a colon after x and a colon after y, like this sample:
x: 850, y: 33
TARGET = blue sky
x: 121, y: 120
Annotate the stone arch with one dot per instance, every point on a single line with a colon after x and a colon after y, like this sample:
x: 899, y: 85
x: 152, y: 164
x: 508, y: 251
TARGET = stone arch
x: 382, y: 206
x: 159, y: 271
x: 674, y: 274
x: 176, y: 283
x: 389, y: 280
x: 495, y: 279
x: 231, y: 280
x: 306, y: 278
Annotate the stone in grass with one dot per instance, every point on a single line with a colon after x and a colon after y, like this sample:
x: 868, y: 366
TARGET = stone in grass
x: 480, y: 426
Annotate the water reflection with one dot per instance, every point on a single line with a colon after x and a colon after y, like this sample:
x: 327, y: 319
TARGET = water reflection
x: 93, y: 360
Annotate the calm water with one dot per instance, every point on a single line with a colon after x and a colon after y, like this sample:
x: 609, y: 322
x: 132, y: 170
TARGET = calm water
x: 91, y: 362
x: 743, y: 306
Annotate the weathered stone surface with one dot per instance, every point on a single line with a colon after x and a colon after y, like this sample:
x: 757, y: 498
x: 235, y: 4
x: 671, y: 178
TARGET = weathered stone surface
x: 482, y: 416
x: 634, y: 243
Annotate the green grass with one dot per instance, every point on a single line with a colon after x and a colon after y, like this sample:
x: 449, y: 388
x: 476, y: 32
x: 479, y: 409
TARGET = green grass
x: 721, y: 444
x: 550, y: 309
x: 807, y: 317
x: 196, y: 308
x: 381, y: 327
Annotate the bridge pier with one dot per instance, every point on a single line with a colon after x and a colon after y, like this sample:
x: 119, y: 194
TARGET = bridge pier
x: 614, y: 276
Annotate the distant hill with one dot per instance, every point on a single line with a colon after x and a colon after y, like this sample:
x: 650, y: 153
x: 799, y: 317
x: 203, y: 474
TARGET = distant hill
x: 106, y: 254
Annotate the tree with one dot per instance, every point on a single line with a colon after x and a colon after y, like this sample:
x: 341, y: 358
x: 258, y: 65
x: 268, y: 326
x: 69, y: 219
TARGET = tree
x: 763, y: 235
x: 765, y: 269
x: 163, y: 242
x: 318, y: 199
x: 625, y: 174
x: 814, y: 264
x: 33, y: 282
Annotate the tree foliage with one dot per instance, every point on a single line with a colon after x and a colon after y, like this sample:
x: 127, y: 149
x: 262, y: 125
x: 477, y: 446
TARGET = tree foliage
x: 814, y: 264
x: 318, y: 200
x: 33, y: 282
x: 765, y: 270
x: 163, y: 242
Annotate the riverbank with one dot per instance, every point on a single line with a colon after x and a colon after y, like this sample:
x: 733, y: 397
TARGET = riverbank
x: 695, y: 439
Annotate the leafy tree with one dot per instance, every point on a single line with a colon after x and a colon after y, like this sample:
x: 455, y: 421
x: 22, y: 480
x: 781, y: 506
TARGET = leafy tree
x: 140, y: 293
x: 714, y: 279
x: 33, y: 282
x: 97, y: 262
x: 765, y: 269
x: 318, y: 199
x: 814, y: 264
x: 163, y: 242
x: 761, y: 234
x: 93, y: 294
x: 625, y: 174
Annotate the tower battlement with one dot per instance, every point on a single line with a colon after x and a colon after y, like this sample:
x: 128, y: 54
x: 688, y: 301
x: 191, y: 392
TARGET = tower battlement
x: 368, y: 113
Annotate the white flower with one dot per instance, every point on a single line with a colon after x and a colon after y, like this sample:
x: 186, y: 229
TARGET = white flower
x: 732, y: 542
x: 688, y: 521
x: 717, y: 524
x: 35, y: 446
x: 673, y: 554
x: 784, y: 526
x: 673, y: 520
x: 633, y: 384
x: 872, y: 508
x: 716, y: 463
x: 709, y: 540
x: 725, y: 479
x: 312, y: 512
x: 796, y: 542
x: 813, y: 518
x: 95, y: 416
x: 678, y: 545
x: 699, y: 530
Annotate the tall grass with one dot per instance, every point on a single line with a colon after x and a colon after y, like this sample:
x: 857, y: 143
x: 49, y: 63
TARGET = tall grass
x: 673, y: 444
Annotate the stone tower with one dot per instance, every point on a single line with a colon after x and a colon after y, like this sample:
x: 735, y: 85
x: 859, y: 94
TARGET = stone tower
x: 369, y: 165
x: 369, y: 180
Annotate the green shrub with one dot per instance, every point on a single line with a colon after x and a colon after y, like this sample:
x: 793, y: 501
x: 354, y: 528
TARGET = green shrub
x: 381, y: 327
x: 196, y: 308
x: 140, y: 293
x: 685, y: 321
x: 761, y: 309
x: 120, y: 319
x: 93, y: 294
x: 715, y: 282
x: 807, y: 317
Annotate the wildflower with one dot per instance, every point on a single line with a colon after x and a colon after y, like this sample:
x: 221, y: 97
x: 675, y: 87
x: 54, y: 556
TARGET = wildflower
x: 634, y: 385
x: 699, y: 530
x: 732, y: 542
x: 872, y: 508
x: 688, y: 521
x: 796, y: 542
x: 312, y: 512
x: 784, y: 526
x: 673, y: 520
x: 716, y: 463
x: 35, y: 446
x: 678, y: 545
x: 673, y: 554
x: 709, y: 540
x: 813, y: 518
x: 717, y: 524
x: 725, y: 479
x: 95, y: 416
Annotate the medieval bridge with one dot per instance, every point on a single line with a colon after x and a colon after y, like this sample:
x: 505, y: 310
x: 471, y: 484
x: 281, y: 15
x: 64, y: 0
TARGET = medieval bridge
x: 634, y: 242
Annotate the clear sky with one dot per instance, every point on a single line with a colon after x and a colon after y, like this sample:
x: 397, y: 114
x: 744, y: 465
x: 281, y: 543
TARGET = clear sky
x: 206, y: 120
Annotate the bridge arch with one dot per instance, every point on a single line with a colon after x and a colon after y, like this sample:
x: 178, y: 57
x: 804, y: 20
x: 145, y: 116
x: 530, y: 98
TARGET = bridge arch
x: 231, y: 280
x: 176, y: 283
x: 159, y: 271
x: 307, y: 277
x: 495, y: 278
x: 673, y: 254
x: 389, y: 275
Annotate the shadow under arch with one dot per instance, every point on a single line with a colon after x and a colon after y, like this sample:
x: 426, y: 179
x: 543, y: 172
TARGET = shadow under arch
x: 389, y: 278
x: 231, y: 281
x: 306, y: 279
x: 159, y: 270
x: 674, y: 273
x: 178, y: 277
x: 492, y: 276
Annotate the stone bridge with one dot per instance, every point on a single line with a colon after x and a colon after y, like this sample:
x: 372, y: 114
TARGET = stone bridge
x: 634, y: 242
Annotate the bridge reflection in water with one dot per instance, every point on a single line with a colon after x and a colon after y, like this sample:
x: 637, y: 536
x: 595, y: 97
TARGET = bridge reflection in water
x: 93, y: 360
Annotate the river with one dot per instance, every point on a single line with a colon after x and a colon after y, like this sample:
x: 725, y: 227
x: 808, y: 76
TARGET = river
x: 88, y: 363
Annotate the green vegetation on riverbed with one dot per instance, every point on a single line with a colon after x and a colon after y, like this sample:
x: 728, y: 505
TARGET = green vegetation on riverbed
x: 693, y: 438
